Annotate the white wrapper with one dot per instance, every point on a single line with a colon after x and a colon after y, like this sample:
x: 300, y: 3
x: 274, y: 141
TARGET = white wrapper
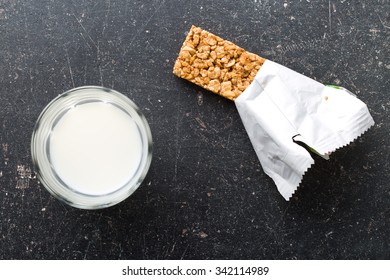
x: 281, y: 105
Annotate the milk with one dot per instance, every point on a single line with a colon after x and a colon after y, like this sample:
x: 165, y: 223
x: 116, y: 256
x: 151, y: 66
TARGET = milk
x: 95, y: 148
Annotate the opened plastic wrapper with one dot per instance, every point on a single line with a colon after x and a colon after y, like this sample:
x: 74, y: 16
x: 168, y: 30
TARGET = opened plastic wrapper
x: 284, y: 113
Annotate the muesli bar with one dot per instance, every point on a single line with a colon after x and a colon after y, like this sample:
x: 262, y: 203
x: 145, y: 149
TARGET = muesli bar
x: 216, y: 64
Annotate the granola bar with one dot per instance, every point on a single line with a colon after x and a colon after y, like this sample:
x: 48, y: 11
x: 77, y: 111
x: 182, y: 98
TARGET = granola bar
x: 216, y: 64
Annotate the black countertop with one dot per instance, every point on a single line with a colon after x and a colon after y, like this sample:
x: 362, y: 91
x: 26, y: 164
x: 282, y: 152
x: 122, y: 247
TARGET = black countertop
x: 205, y: 196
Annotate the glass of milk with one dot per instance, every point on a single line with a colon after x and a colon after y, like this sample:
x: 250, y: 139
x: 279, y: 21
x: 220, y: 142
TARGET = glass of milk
x: 91, y: 147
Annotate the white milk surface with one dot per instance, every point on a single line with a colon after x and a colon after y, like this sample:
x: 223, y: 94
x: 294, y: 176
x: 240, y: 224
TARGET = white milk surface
x: 95, y: 148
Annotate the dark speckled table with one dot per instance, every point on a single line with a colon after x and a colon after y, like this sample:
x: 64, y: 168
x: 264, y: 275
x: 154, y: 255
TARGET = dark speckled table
x: 206, y: 196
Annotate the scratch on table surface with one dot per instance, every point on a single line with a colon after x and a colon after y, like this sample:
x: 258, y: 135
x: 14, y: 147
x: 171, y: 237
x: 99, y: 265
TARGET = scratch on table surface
x: 101, y: 76
x: 383, y: 23
x: 274, y: 230
x: 177, y: 142
x: 330, y: 17
x: 146, y: 23
x: 70, y: 68
x: 144, y: 253
x: 99, y: 66
x: 328, y: 234
x: 86, y: 42
x: 85, y: 71
x: 86, y: 32
x: 105, y: 24
x: 120, y: 251
x: 87, y: 250
x: 184, y: 252
x: 200, y: 122
x: 169, y: 250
